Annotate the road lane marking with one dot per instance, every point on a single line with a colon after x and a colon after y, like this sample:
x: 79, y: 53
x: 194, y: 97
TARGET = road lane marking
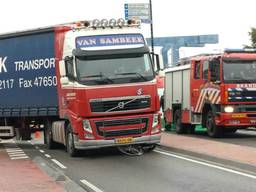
x: 48, y: 156
x: 15, y: 153
x: 16, y: 150
x: 207, y: 164
x: 23, y: 157
x: 42, y: 151
x: 18, y: 155
x: 59, y: 164
x: 91, y: 186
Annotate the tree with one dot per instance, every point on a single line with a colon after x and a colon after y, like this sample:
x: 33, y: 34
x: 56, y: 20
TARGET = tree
x: 252, y: 34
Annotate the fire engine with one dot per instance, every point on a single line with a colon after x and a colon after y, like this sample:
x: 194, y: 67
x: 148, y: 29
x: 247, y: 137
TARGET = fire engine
x: 217, y: 91
x: 91, y: 84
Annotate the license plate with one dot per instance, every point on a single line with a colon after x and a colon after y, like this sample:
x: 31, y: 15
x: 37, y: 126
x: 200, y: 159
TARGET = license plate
x: 124, y: 140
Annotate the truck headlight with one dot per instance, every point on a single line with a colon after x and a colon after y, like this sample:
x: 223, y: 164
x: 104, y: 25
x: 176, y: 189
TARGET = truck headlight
x: 87, y: 126
x: 155, y: 124
x: 155, y: 120
x: 229, y: 109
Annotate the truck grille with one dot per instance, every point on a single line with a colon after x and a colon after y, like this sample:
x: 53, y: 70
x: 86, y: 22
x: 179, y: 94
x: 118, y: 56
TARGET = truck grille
x: 120, y: 104
x: 100, y: 125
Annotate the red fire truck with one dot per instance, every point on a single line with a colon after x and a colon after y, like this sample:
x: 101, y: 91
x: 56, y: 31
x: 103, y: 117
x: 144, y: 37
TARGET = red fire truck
x: 92, y: 84
x: 215, y: 90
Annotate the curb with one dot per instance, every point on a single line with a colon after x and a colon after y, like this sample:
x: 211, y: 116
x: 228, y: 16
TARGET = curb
x: 58, y: 176
x: 214, y: 160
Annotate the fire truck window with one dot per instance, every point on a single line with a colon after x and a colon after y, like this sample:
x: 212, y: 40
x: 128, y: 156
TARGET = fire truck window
x: 197, y: 70
x: 205, y: 70
x: 215, y: 71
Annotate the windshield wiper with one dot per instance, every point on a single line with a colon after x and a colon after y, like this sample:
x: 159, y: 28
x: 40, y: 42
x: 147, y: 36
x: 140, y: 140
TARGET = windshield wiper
x: 134, y: 73
x: 102, y: 76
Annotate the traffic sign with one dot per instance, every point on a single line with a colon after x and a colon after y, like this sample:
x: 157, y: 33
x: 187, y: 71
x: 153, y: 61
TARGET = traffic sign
x: 139, y: 11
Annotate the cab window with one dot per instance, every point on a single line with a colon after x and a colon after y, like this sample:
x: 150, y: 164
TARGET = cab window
x: 197, y: 70
x: 205, y: 70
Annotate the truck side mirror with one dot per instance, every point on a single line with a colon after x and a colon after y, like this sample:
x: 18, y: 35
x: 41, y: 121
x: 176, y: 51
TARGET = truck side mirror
x: 69, y: 67
x: 62, y: 68
x: 156, y: 62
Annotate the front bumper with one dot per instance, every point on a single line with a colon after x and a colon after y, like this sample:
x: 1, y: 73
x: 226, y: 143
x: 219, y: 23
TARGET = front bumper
x: 94, y: 144
x: 236, y: 119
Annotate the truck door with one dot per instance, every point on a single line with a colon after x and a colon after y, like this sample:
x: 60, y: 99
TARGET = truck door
x: 198, y: 77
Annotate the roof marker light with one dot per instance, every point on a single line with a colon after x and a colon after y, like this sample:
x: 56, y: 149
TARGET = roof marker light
x: 95, y: 23
x: 120, y: 22
x: 104, y: 23
x: 112, y: 23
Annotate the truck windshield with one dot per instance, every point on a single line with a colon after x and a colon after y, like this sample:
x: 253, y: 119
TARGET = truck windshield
x: 239, y: 71
x: 114, y: 69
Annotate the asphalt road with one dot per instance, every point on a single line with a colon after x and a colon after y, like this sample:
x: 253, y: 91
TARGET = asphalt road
x: 110, y: 171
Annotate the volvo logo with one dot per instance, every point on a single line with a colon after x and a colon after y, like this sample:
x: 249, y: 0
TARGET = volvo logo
x: 120, y: 105
x: 140, y: 91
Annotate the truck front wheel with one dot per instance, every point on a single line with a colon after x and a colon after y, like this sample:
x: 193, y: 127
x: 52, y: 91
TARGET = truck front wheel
x: 72, y: 151
x: 212, y: 129
x: 179, y: 126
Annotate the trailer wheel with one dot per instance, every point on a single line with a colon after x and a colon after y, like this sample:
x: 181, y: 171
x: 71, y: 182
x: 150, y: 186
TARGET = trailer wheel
x: 212, y: 129
x: 48, y: 134
x: 72, y: 151
x: 179, y: 126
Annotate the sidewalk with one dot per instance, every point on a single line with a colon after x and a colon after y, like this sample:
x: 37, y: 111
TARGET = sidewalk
x: 22, y: 175
x: 232, y: 152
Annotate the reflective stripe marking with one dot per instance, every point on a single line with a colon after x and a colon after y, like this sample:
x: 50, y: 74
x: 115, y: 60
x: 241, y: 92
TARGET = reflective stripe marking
x: 42, y: 151
x: 91, y: 186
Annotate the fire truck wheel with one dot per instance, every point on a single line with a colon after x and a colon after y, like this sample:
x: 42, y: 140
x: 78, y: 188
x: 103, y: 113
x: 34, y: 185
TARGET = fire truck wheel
x: 212, y: 129
x: 179, y: 126
x: 72, y: 151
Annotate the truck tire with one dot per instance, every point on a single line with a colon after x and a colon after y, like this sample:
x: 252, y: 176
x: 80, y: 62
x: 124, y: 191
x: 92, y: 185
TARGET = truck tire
x: 48, y: 134
x: 179, y: 126
x: 72, y: 151
x: 212, y: 129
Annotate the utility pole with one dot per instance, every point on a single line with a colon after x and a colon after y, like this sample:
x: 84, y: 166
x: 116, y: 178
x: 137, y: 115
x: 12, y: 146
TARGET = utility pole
x: 151, y: 29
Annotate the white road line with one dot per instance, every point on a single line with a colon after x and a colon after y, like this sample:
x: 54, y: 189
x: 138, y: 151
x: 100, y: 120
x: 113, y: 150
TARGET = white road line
x: 37, y: 147
x: 42, y: 151
x: 48, y: 156
x: 91, y: 186
x: 14, y: 150
x: 18, y: 155
x: 59, y: 164
x: 15, y: 153
x: 24, y: 157
x: 207, y: 164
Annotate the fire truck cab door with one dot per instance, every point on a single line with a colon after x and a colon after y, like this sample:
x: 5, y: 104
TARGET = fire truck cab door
x: 196, y: 82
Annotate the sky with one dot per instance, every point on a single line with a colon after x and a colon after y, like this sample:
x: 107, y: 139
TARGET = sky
x: 230, y: 19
